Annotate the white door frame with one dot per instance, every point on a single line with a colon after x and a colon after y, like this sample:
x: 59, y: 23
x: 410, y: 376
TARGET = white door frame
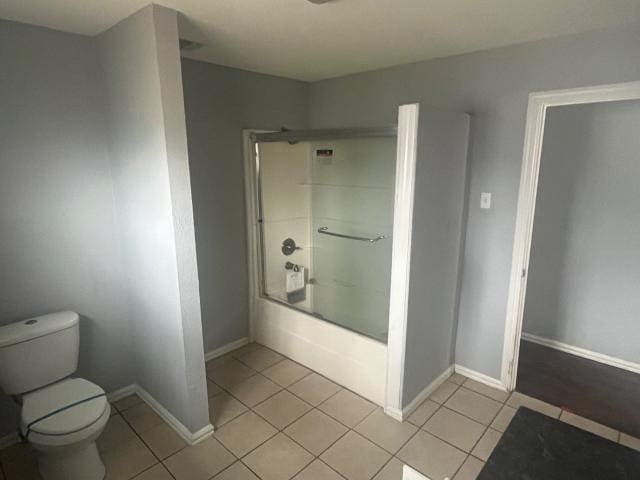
x: 539, y: 102
x: 407, y: 151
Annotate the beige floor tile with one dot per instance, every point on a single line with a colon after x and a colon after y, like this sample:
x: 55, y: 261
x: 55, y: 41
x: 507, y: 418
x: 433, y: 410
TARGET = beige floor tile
x: 223, y: 408
x: 473, y: 405
x: 128, y: 460
x: 355, y: 457
x: 18, y: 452
x: 163, y: 440
x: 318, y: 470
x: 517, y: 399
x: 286, y: 372
x: 493, y: 393
x: 454, y: 428
x: 115, y: 433
x: 487, y: 443
x: 314, y: 389
x: 159, y: 472
x: 589, y: 426
x: 21, y: 470
x: 316, y: 431
x: 431, y: 456
x: 261, y: 358
x: 254, y: 390
x: 457, y: 379
x: 142, y: 417
x: 127, y: 402
x: 282, y: 409
x: 421, y: 414
x: 347, y: 407
x: 470, y: 469
x: 277, y: 459
x: 19, y: 462
x: 629, y: 441
x: 443, y: 392
x: 237, y: 471
x: 216, y: 362
x: 384, y: 431
x: 391, y: 471
x: 199, y: 462
x: 245, y: 433
x: 249, y: 347
x: 503, y: 419
x: 230, y: 373
x: 212, y: 388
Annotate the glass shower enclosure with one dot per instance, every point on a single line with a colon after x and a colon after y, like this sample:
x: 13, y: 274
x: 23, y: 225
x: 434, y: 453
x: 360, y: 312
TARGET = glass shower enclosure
x: 325, y: 206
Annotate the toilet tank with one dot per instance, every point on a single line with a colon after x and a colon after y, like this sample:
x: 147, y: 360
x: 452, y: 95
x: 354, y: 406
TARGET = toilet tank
x: 38, y: 351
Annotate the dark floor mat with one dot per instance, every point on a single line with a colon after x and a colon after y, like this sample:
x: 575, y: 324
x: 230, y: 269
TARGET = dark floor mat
x: 537, y: 447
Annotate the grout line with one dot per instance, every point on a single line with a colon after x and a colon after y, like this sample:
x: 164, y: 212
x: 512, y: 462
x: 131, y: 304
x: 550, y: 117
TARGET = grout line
x: 148, y: 448
x: 419, y: 428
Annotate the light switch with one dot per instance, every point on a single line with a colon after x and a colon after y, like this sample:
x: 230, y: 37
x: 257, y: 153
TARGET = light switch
x: 485, y: 200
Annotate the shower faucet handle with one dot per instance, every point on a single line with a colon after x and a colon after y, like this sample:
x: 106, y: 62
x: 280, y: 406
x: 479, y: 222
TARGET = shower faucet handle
x: 289, y: 246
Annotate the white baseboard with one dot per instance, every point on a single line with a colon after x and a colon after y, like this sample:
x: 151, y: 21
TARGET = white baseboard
x: 8, y: 440
x: 173, y: 422
x: 421, y: 397
x: 121, y: 393
x: 583, y: 352
x: 241, y: 342
x: 480, y: 377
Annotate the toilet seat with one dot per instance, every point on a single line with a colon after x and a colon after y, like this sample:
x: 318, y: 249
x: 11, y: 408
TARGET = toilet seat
x: 66, y: 412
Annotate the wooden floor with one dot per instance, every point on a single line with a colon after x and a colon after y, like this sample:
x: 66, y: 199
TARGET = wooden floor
x: 605, y: 394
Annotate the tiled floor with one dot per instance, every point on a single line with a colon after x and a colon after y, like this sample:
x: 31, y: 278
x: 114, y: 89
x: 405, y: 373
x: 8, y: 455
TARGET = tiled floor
x: 277, y: 420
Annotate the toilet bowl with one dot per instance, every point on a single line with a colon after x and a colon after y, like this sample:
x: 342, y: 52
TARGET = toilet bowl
x: 62, y: 422
x: 61, y: 416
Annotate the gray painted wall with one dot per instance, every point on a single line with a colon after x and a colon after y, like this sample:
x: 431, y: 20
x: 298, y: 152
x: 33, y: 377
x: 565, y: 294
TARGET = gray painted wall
x: 147, y: 148
x: 583, y: 275
x: 439, y: 204
x: 493, y: 86
x: 59, y: 246
x: 219, y: 103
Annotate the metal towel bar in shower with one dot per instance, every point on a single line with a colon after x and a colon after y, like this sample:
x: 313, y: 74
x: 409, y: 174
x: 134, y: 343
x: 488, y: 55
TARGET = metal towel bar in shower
x: 325, y: 231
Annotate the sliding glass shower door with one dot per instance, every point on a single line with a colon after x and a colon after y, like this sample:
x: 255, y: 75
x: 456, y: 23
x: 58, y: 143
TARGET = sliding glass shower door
x: 326, y: 219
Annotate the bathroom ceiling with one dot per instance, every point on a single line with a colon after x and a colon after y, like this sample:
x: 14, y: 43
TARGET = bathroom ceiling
x: 298, y: 39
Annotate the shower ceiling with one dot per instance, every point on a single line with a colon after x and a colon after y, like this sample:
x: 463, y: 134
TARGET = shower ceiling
x: 297, y: 39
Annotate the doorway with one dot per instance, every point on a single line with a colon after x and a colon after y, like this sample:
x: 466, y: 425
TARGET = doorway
x: 572, y: 332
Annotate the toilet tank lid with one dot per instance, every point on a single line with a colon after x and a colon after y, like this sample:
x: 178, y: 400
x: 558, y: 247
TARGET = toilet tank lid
x: 35, y: 327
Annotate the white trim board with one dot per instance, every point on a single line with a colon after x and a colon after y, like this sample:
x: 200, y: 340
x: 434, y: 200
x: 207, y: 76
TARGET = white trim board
x: 121, y: 393
x: 426, y: 393
x: 539, y: 102
x: 407, y: 151
x: 173, y: 422
x: 229, y: 347
x: 404, y: 413
x: 480, y: 377
x: 583, y: 352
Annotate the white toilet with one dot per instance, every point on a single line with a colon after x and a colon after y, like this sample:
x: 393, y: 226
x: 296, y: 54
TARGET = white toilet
x: 61, y: 416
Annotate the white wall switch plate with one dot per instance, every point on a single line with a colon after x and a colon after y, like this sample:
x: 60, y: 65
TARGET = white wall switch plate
x: 485, y: 200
